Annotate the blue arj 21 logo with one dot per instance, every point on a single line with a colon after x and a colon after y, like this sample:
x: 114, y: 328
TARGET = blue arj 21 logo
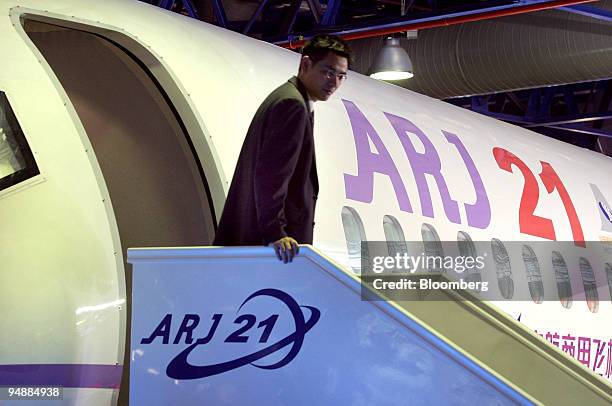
x: 180, y: 368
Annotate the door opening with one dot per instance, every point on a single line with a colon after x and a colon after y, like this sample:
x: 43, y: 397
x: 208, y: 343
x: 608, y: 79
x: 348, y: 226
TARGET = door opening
x: 157, y: 186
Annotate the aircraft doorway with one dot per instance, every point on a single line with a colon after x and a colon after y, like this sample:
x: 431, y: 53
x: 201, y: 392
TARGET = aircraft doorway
x: 158, y: 194
x: 158, y: 190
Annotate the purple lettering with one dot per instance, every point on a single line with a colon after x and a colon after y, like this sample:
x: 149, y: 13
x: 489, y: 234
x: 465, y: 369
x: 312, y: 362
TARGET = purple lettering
x: 479, y: 213
x: 361, y: 187
x: 422, y: 164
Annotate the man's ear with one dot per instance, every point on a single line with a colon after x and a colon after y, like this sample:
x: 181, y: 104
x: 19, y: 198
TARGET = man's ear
x: 305, y: 64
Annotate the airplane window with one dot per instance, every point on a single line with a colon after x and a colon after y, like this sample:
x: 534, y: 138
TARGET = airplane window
x: 503, y: 268
x: 396, y: 242
x: 564, y: 287
x: 468, y: 249
x: 534, y: 276
x: 432, y: 244
x: 590, y: 287
x: 16, y: 161
x: 354, y: 234
x: 609, y: 275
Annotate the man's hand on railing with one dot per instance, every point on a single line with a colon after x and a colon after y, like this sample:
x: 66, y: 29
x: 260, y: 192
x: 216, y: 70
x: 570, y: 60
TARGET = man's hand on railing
x: 286, y: 248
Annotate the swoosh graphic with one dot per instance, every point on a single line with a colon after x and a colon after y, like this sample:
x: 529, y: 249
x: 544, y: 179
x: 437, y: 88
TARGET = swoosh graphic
x: 180, y: 368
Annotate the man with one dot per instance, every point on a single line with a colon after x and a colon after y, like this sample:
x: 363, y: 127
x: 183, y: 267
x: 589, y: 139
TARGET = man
x: 274, y: 190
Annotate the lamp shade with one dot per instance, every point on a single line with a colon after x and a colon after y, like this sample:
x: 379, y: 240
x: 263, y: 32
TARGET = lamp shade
x: 392, y: 62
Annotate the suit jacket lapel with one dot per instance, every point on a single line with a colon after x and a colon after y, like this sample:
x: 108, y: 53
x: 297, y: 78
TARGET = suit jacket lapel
x: 300, y: 87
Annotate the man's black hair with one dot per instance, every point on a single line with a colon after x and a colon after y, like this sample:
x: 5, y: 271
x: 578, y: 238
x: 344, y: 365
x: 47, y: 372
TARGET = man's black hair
x: 318, y: 47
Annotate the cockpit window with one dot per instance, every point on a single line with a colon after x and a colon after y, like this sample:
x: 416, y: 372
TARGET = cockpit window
x: 432, y: 245
x: 396, y: 242
x: 564, y: 287
x: 609, y: 276
x: 534, y: 276
x: 503, y: 268
x: 354, y: 232
x: 590, y: 287
x: 16, y: 161
x: 467, y: 249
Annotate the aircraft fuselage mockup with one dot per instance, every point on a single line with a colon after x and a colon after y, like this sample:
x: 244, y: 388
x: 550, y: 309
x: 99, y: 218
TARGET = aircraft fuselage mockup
x: 122, y: 124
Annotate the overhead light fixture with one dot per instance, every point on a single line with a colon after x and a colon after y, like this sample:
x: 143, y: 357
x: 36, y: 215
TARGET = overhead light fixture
x: 392, y: 62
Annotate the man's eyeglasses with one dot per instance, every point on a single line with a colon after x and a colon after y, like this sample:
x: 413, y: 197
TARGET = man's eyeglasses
x: 331, y: 74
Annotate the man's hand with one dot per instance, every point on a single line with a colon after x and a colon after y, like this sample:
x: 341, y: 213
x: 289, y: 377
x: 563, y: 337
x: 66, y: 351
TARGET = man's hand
x: 286, y: 248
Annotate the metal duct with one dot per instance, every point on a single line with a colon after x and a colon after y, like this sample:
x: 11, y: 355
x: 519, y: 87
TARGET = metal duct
x: 503, y: 54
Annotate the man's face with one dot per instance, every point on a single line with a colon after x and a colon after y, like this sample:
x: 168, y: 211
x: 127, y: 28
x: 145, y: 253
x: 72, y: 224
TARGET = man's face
x: 323, y: 78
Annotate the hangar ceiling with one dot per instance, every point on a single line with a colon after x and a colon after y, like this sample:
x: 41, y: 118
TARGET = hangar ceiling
x: 546, y: 65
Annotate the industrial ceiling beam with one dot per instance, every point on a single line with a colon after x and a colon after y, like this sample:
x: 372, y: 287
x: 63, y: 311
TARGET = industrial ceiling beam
x: 331, y: 12
x: 590, y: 11
x: 219, y: 12
x: 406, y: 24
x: 187, y: 4
x: 582, y: 130
x: 290, y: 17
x: 582, y: 118
x: 315, y: 9
x: 561, y: 111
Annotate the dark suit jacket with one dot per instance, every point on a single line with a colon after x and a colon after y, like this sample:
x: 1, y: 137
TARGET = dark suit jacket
x: 274, y: 189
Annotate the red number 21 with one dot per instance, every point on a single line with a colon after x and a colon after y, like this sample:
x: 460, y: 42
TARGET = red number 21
x: 529, y: 223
